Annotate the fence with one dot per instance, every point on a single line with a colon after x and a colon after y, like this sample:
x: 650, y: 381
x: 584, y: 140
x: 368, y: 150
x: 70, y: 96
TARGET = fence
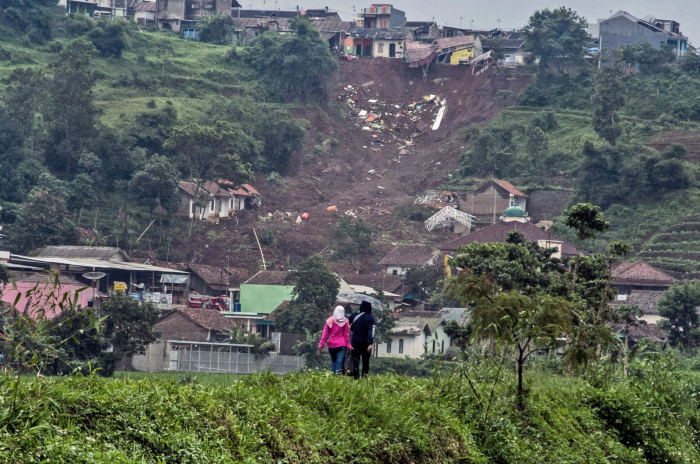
x: 224, y: 358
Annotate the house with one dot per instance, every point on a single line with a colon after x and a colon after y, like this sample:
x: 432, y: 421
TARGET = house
x: 640, y: 284
x: 403, y: 257
x: 452, y: 50
x: 378, y: 43
x: 195, y: 325
x: 215, y: 281
x: 183, y: 15
x: 246, y: 29
x: 490, y: 201
x: 622, y: 29
x: 389, y: 283
x: 380, y: 16
x: 168, y: 286
x: 497, y: 233
x: 546, y: 205
x: 511, y: 51
x: 414, y: 335
x: 424, y: 30
x: 217, y: 200
x: 332, y: 31
x: 145, y: 13
x: 114, y: 9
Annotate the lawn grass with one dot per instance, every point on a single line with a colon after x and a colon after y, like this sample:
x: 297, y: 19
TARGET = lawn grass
x: 181, y: 377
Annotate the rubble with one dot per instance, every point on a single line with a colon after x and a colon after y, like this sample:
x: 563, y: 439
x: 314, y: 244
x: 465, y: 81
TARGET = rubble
x: 376, y: 116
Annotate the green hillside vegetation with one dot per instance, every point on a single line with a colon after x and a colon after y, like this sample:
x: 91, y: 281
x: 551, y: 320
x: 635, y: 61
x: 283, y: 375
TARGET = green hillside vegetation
x: 317, y: 417
x: 589, y: 131
x: 86, y: 110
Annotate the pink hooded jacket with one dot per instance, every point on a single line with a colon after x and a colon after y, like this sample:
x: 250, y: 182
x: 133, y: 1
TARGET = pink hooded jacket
x: 338, y: 335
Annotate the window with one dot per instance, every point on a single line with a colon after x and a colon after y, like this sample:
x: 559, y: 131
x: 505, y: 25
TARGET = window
x: 230, y: 202
x: 211, y: 205
x: 433, y: 346
x: 395, y: 272
x: 380, y: 47
x: 513, y: 200
x: 388, y: 347
x: 400, y: 345
x: 442, y: 346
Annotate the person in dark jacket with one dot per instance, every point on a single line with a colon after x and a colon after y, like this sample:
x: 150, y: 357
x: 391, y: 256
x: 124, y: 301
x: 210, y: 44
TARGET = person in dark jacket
x: 362, y: 337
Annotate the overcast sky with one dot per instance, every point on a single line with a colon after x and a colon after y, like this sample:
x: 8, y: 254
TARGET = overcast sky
x: 512, y: 13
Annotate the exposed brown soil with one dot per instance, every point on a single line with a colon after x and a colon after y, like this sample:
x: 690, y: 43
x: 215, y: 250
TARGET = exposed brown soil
x: 341, y: 177
x: 691, y: 140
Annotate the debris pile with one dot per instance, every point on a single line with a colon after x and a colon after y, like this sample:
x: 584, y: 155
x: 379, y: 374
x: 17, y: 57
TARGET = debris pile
x: 438, y: 200
x: 381, y: 117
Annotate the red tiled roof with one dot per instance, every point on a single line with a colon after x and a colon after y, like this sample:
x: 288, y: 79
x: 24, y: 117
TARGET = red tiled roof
x: 497, y: 233
x: 641, y: 274
x: 509, y: 187
x: 146, y: 6
x: 250, y: 188
x: 409, y: 255
x: 239, y: 192
x: 208, y: 318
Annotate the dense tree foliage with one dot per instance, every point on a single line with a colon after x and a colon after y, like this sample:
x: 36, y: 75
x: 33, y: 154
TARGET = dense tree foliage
x: 557, y: 38
x: 609, y: 98
x: 351, y: 238
x: 679, y: 310
x: 294, y: 66
x: 217, y: 29
x: 315, y: 292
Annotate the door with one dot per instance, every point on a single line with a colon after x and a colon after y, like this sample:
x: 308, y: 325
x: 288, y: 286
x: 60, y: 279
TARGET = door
x: 358, y: 50
x: 392, y: 50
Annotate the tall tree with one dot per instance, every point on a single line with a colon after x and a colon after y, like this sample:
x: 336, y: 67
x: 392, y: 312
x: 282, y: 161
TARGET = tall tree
x: 129, y: 324
x: 315, y: 292
x: 679, y: 310
x: 157, y: 183
x: 557, y: 38
x: 587, y: 221
x: 609, y: 98
x: 209, y: 153
x: 71, y: 111
x: 297, y: 65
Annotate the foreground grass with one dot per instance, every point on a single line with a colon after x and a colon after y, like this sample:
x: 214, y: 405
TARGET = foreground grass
x: 317, y: 417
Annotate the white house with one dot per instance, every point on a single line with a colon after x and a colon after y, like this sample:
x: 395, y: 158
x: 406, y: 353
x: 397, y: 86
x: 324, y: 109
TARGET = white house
x: 415, y: 335
x: 218, y: 202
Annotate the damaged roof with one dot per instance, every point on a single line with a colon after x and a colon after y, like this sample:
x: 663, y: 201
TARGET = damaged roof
x: 640, y: 273
x: 420, y: 54
x: 422, y: 26
x: 510, y: 188
x: 380, y: 34
x: 409, y: 255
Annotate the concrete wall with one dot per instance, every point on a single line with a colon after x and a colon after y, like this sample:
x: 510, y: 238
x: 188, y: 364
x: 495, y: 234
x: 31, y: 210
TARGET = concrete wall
x: 620, y: 32
x: 263, y: 298
x: 399, y: 270
x: 382, y: 47
x: 415, y: 346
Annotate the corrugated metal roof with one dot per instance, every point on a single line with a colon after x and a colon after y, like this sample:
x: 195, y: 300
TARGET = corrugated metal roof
x: 330, y: 25
x: 100, y: 264
x: 420, y: 54
x: 104, y: 253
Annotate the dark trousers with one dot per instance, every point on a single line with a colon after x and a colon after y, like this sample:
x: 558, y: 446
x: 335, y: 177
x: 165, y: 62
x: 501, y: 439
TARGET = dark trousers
x: 360, y: 349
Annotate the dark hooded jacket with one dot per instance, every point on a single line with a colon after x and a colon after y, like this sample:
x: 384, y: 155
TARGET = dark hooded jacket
x: 362, y: 328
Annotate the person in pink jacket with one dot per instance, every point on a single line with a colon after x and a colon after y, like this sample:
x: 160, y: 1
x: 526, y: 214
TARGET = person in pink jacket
x: 337, y: 333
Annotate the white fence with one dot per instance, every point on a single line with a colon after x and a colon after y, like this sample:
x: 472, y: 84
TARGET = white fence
x: 224, y: 358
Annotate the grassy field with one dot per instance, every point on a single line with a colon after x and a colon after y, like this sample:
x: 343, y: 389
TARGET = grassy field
x: 316, y: 417
x: 181, y: 377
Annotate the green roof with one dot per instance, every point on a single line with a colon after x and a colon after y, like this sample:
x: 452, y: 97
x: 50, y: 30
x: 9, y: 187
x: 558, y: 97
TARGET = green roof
x: 515, y: 211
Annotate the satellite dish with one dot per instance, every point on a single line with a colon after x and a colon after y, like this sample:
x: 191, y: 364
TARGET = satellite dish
x: 94, y: 275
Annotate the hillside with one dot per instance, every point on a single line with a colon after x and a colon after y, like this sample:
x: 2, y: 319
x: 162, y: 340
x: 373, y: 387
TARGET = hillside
x: 341, y: 177
x: 375, y: 174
